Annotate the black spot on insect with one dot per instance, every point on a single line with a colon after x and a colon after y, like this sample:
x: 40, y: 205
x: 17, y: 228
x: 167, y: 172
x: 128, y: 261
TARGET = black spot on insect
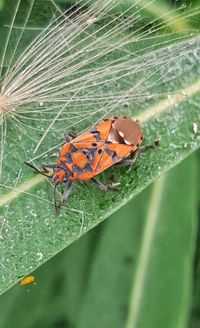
x: 96, y: 134
x: 111, y: 153
x: 94, y: 144
x: 99, y: 151
x: 115, y: 117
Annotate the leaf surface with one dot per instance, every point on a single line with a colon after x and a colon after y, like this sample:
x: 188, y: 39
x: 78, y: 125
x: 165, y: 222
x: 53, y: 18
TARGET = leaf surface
x: 133, y: 271
x: 167, y: 91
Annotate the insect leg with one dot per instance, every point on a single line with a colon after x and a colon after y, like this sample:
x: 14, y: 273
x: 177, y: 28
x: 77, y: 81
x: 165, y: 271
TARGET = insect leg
x: 102, y: 186
x: 130, y: 161
x: 72, y: 135
x: 147, y: 147
x: 69, y: 136
x: 67, y: 191
x: 135, y: 154
x: 48, y: 166
x: 64, y: 196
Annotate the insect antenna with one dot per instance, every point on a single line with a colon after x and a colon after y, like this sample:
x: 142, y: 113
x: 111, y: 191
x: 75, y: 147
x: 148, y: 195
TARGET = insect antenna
x: 37, y: 170
x: 54, y: 198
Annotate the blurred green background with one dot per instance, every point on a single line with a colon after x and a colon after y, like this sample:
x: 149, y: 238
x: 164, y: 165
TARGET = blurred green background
x: 140, y: 268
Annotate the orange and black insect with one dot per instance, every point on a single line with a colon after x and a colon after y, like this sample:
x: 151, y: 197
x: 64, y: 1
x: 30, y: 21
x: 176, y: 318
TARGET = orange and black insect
x: 108, y: 143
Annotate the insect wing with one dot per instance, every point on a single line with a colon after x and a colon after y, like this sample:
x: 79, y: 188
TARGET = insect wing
x: 103, y: 129
x: 97, y: 135
x: 112, y: 154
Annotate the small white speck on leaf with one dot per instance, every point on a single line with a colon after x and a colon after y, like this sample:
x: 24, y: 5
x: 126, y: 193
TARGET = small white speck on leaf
x: 195, y: 128
x: 39, y: 256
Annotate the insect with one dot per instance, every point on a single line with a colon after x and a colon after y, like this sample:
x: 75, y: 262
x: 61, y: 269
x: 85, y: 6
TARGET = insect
x: 108, y: 143
x: 27, y: 280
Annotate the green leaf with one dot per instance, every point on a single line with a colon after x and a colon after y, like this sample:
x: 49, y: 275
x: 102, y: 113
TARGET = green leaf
x: 142, y: 272
x: 166, y: 90
x: 92, y: 282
